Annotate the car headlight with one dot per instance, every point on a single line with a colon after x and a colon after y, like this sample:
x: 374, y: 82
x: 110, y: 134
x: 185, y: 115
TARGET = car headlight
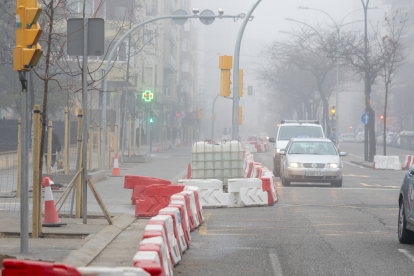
x: 267, y: 137
x: 333, y: 166
x: 277, y: 150
x: 295, y: 165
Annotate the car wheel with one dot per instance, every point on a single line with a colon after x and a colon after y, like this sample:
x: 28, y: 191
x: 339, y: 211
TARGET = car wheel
x: 404, y: 235
x: 337, y: 183
x: 285, y: 182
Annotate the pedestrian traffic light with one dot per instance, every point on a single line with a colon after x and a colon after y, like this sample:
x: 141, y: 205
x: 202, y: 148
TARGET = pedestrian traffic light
x: 241, y: 82
x: 333, y: 111
x: 151, y: 116
x: 226, y: 64
x: 199, y: 113
x: 27, y: 53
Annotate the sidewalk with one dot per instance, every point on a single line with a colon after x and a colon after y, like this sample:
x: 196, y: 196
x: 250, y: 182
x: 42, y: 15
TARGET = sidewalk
x: 123, y: 237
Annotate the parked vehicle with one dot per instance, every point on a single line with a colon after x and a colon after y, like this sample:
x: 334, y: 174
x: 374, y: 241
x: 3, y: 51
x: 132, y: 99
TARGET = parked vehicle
x: 390, y: 137
x: 360, y: 138
x: 406, y: 209
x: 349, y: 137
x: 396, y: 142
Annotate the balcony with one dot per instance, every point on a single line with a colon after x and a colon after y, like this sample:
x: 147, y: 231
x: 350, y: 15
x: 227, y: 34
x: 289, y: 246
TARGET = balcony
x: 170, y: 65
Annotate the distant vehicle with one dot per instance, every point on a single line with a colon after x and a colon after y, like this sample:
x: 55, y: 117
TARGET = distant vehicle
x: 341, y: 138
x: 390, y: 137
x: 406, y: 209
x: 289, y: 129
x: 396, y: 142
x: 360, y: 138
x: 380, y: 138
x: 311, y: 160
x: 349, y: 137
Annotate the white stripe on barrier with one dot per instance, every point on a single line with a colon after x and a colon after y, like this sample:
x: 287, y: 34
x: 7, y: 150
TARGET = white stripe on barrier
x: 246, y: 192
x: 193, y: 206
x: 170, y: 232
x: 211, y: 194
x: 164, y: 252
x: 198, y: 190
x: 178, y: 225
x: 176, y: 258
x: 181, y: 200
x: 110, y: 271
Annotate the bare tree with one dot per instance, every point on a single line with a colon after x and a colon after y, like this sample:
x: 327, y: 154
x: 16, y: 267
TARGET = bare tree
x: 392, y: 49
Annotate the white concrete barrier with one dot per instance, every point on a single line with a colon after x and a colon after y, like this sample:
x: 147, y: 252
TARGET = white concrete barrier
x: 178, y: 225
x: 176, y: 258
x: 193, y: 206
x: 387, y: 163
x: 170, y: 233
x: 211, y: 194
x: 110, y: 271
x: 164, y: 252
x: 246, y: 192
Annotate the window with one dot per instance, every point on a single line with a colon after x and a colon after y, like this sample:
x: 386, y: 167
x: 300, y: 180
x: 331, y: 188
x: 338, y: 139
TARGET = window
x: 289, y: 132
x: 148, y: 78
x: 148, y: 37
x: 123, y: 52
x: 316, y: 148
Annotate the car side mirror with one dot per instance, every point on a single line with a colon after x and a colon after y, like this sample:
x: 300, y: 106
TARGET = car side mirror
x: 272, y: 140
x: 343, y: 154
x: 411, y: 170
x: 282, y: 152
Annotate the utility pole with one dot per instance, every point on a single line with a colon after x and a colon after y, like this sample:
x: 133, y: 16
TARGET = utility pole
x: 212, y: 121
x: 236, y: 98
x: 367, y: 77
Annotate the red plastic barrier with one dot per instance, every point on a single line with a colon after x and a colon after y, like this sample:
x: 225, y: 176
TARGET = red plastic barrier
x: 200, y: 217
x: 156, y: 198
x: 131, y: 180
x: 33, y: 268
x: 152, y: 267
x: 266, y: 186
x: 161, y: 222
x: 183, y: 221
x: 176, y: 235
x: 189, y: 212
x: 154, y: 248
x: 154, y: 233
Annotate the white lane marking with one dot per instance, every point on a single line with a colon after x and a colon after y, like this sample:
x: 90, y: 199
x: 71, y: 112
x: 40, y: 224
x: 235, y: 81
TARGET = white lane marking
x: 330, y: 188
x: 274, y: 261
x: 350, y: 164
x: 407, y: 253
x: 356, y: 156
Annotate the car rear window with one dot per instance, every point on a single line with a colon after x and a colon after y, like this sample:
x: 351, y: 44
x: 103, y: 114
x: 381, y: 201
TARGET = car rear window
x: 317, y: 148
x: 289, y: 132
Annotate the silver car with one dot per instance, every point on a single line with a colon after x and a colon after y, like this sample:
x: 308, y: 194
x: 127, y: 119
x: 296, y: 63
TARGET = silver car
x: 311, y: 160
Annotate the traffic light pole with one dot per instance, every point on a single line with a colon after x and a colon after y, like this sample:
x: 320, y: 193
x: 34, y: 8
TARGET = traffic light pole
x: 236, y: 67
x: 212, y: 116
x: 24, y: 153
x: 85, y: 124
x: 114, y: 53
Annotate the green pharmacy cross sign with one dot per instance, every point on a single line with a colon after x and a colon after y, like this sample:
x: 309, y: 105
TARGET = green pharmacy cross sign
x: 147, y: 95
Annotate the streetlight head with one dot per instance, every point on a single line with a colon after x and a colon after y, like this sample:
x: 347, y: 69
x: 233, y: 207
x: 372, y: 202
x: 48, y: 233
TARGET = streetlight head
x: 303, y: 8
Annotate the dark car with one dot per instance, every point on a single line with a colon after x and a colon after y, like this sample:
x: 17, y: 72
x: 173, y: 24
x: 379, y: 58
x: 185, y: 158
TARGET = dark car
x: 406, y: 211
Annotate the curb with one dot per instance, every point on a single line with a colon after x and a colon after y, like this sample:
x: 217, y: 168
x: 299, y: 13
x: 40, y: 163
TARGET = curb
x: 91, y: 249
x: 362, y: 164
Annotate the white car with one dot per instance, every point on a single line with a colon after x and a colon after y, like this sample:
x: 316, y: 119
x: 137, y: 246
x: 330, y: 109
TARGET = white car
x: 349, y: 137
x: 289, y: 129
x: 311, y: 160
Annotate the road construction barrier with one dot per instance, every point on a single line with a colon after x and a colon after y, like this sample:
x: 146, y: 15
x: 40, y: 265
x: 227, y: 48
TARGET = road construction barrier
x: 152, y: 231
x: 199, y: 207
x: 51, y: 218
x: 156, y: 198
x: 179, y: 200
x: 112, y: 271
x: 386, y: 163
x: 271, y: 193
x: 115, y: 170
x: 34, y: 268
x: 246, y: 192
x: 190, y: 215
x: 149, y: 261
x: 139, y: 183
x: 157, y: 244
x: 211, y: 192
x: 409, y: 161
x: 256, y: 166
x: 193, y: 206
x: 167, y: 223
x: 174, y: 213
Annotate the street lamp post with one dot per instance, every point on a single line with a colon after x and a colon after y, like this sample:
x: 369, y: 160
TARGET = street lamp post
x: 212, y: 119
x: 236, y: 98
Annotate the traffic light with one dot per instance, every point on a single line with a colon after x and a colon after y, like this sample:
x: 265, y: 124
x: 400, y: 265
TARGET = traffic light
x: 199, y: 113
x: 151, y: 116
x: 333, y: 111
x: 226, y: 64
x: 28, y: 52
x: 382, y: 117
x: 241, y: 82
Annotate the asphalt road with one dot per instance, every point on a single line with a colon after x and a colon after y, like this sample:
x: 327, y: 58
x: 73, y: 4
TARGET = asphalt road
x: 312, y: 230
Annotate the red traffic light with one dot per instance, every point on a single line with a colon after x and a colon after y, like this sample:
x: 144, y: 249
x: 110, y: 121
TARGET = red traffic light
x: 382, y: 117
x: 178, y: 114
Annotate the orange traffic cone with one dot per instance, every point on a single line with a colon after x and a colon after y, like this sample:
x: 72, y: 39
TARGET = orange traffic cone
x: 115, y: 171
x: 51, y: 218
x: 189, y: 171
x: 179, y: 143
x: 159, y: 149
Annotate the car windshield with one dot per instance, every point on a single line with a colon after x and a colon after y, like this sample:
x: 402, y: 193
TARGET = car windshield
x: 318, y: 148
x: 289, y: 132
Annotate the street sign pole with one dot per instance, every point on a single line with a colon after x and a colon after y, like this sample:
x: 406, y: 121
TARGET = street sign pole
x: 236, y: 99
x: 85, y: 120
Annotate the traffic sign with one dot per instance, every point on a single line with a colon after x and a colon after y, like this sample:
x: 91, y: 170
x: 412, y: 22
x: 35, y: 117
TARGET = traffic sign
x: 365, y: 118
x: 180, y: 21
x: 207, y: 20
x: 96, y: 36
